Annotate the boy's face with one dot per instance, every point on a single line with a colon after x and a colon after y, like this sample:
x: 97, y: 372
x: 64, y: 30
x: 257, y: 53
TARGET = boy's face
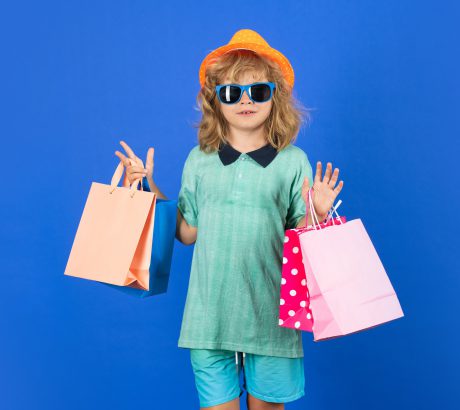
x: 231, y: 112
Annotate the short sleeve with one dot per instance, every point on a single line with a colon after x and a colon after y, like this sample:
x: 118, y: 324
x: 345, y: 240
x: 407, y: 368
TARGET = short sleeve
x: 297, y: 208
x: 187, y: 202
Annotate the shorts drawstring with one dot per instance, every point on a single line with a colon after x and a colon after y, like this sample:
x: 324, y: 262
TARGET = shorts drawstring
x: 236, y: 359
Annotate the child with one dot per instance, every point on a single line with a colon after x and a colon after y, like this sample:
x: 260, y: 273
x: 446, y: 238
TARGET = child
x: 242, y: 186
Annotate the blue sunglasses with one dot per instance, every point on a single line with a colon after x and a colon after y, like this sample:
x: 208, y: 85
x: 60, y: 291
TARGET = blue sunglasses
x: 257, y: 92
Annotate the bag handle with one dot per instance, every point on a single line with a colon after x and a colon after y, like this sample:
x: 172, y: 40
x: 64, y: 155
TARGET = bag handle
x: 334, y: 209
x: 311, y: 207
x: 117, y: 176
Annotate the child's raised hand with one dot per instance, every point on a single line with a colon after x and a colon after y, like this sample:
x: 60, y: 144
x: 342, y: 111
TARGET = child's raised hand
x: 133, y: 172
x: 324, y: 192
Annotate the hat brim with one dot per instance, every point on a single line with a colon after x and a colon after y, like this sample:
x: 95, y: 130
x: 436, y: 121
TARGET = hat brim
x: 261, y: 49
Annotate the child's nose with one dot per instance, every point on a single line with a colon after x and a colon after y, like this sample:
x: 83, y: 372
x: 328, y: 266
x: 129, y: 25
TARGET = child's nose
x: 245, y: 96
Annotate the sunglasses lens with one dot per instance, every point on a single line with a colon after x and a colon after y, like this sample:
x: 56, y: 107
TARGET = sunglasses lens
x: 229, y: 94
x: 260, y: 92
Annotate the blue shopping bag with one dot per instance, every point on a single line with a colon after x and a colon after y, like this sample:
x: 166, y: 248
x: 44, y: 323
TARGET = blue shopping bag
x: 164, y: 233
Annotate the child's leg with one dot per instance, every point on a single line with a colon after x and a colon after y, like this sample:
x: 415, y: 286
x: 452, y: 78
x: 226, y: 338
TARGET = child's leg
x: 253, y: 403
x: 230, y: 405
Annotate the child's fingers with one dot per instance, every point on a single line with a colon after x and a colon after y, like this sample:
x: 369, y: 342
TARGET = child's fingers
x: 136, y: 175
x: 334, y: 178
x: 138, y: 161
x: 327, y: 174
x: 338, y: 188
x: 128, y: 150
x: 318, y: 171
x: 136, y: 168
x: 123, y: 159
x: 149, y: 160
x: 305, y: 188
x: 306, y: 183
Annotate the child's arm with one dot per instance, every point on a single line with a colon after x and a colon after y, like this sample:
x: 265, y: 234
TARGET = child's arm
x: 149, y: 185
x: 185, y: 233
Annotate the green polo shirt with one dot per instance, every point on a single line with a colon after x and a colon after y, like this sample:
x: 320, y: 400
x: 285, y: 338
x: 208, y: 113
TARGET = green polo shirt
x: 241, y: 203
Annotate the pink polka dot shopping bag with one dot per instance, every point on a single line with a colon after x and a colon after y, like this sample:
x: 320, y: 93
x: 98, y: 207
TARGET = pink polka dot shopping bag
x: 333, y: 282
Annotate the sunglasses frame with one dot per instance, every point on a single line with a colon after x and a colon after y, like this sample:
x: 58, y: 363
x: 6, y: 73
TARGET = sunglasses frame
x: 244, y: 88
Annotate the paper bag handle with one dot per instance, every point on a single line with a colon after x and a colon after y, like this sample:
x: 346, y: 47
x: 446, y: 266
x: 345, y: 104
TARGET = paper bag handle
x: 311, y: 207
x: 117, y: 176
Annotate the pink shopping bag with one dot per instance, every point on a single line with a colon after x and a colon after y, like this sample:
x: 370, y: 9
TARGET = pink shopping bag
x: 294, y: 310
x: 348, y: 286
x: 113, y: 242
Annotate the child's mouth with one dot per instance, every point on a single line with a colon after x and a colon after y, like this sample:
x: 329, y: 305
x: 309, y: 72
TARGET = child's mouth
x: 246, y: 113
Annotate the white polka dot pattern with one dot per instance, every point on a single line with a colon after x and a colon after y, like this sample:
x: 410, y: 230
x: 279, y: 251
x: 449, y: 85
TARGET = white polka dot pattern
x: 294, y: 309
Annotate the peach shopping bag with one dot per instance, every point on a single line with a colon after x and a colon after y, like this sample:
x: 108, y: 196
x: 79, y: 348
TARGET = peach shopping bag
x: 113, y: 242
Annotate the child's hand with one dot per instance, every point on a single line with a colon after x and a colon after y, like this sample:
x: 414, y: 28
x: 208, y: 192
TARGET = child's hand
x: 324, y: 192
x: 137, y: 171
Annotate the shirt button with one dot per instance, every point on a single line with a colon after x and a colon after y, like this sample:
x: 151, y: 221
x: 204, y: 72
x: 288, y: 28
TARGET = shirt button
x: 240, y: 175
x: 243, y: 158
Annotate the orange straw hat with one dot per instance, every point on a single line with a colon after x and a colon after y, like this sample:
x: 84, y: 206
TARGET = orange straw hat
x: 249, y: 40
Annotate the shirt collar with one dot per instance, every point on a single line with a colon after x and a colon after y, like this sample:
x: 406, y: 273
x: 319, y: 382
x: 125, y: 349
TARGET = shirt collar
x: 263, y: 155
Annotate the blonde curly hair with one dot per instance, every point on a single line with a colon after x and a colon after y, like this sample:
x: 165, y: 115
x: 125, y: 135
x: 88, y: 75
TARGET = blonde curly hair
x: 287, y: 113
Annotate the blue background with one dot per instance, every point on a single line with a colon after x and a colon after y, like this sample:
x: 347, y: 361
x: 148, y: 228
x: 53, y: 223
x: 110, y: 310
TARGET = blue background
x: 77, y: 77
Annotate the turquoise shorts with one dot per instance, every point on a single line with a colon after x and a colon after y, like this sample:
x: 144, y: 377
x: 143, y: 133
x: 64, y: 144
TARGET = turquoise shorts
x: 269, y: 378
